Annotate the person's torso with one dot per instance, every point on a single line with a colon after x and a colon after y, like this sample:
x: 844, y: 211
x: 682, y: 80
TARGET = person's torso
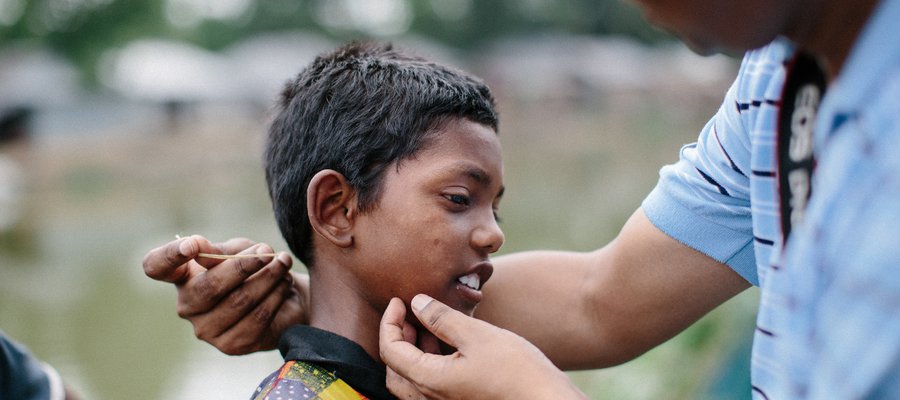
x: 857, y: 153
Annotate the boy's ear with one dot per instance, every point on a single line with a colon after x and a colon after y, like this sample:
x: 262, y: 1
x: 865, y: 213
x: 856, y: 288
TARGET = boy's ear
x: 331, y: 206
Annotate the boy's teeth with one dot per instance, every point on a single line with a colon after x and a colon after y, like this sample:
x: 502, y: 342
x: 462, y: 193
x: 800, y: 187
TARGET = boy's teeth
x: 471, y: 280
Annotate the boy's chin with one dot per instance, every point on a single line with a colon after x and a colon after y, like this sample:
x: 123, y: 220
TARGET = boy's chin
x: 428, y: 342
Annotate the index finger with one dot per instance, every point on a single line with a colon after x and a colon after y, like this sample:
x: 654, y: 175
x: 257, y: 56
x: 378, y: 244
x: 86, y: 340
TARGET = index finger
x: 395, y: 351
x: 169, y: 262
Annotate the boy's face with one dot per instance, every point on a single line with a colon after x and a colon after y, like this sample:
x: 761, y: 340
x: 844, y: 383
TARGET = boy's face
x: 435, y: 222
x: 730, y: 26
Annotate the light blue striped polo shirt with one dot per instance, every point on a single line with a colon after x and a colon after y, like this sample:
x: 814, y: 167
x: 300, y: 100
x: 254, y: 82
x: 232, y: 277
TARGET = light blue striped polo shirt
x: 829, y: 316
x: 721, y: 196
x: 842, y: 268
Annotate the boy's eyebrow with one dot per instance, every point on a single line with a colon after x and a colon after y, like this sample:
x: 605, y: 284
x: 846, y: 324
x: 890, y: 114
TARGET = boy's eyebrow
x: 476, y: 173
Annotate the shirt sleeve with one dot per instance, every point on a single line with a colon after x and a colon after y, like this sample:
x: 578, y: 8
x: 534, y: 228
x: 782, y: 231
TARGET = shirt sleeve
x: 703, y: 200
x: 22, y: 376
x: 266, y: 386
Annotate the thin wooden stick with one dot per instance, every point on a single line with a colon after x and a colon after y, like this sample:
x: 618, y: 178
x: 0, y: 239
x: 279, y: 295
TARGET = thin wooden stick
x: 231, y: 256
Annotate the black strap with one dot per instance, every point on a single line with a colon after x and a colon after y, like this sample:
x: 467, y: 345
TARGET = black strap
x: 804, y: 88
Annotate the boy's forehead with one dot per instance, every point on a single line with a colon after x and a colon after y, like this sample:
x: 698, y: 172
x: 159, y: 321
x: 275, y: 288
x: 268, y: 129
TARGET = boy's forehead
x: 459, y: 147
x: 477, y: 171
x: 471, y: 170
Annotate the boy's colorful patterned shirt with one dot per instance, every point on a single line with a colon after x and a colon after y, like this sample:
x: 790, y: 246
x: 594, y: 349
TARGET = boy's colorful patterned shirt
x: 301, y: 380
x: 323, y: 365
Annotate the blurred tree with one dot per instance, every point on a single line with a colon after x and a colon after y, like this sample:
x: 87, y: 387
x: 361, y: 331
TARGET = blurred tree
x: 83, y: 30
x: 261, y: 16
x: 469, y: 23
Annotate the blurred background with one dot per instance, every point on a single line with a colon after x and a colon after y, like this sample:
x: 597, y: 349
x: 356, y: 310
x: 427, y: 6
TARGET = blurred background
x: 125, y: 123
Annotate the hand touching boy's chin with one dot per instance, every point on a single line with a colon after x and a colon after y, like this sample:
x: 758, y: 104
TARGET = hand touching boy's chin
x: 414, y: 332
x: 462, y: 294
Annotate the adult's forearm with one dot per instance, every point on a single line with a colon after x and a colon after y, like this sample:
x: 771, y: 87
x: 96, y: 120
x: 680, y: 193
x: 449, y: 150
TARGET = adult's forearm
x: 602, y: 308
x: 541, y: 295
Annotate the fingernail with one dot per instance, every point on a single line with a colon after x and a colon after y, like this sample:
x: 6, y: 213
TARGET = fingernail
x: 284, y: 258
x: 185, y: 247
x: 262, y: 248
x: 419, y: 302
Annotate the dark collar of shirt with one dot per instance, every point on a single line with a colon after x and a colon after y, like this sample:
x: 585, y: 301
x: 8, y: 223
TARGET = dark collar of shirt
x: 342, y: 356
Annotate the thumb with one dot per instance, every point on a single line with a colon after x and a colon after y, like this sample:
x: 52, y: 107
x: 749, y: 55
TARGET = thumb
x: 449, y: 325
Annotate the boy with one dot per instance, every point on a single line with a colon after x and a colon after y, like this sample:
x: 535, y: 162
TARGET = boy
x: 385, y: 175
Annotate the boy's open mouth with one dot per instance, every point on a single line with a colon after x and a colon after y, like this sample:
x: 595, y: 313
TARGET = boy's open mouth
x: 473, y: 281
x: 469, y: 286
x: 477, y: 276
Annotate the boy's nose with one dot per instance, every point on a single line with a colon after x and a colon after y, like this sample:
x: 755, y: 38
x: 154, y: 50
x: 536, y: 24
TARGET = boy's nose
x: 488, y: 236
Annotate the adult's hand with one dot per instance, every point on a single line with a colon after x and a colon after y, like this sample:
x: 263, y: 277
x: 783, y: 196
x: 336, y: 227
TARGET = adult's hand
x: 489, y: 362
x: 238, y: 305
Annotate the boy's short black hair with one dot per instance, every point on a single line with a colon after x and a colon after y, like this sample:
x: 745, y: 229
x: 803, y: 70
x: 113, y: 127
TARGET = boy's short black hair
x: 357, y: 110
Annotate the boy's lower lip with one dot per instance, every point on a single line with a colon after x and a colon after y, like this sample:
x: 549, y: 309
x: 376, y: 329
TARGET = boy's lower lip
x: 470, y: 296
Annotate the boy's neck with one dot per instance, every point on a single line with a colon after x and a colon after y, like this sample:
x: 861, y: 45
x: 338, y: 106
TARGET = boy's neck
x: 336, y: 305
x: 831, y: 28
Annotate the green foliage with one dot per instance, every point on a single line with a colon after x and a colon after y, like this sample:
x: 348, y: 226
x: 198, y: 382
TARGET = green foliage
x: 83, y: 29
x: 495, y: 18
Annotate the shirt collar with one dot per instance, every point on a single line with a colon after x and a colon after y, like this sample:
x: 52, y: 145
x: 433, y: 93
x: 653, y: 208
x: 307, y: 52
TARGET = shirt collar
x: 343, y: 357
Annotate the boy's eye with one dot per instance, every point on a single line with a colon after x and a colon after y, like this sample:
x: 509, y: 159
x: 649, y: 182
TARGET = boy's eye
x: 459, y: 199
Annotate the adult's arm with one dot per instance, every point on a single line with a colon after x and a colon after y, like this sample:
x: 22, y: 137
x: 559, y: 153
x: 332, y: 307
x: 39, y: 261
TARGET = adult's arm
x: 238, y: 305
x: 602, y: 308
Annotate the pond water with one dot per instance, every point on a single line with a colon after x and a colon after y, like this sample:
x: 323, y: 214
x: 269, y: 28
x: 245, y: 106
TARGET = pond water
x: 72, y: 288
